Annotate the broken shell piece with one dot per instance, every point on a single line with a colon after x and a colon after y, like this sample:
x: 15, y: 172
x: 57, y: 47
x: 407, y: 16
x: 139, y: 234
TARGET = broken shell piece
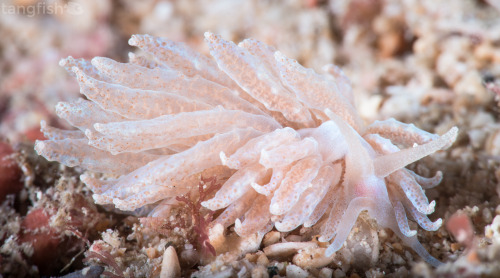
x: 287, y: 248
x: 271, y: 238
x: 170, y: 267
x: 312, y: 258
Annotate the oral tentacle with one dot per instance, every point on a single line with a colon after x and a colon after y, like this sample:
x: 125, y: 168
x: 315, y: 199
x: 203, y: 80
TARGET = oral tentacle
x: 387, y: 164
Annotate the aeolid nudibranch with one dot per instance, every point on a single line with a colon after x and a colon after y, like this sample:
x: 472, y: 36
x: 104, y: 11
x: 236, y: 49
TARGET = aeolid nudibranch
x: 288, y: 142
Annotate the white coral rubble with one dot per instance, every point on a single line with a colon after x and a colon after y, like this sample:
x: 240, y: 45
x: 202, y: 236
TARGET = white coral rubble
x: 298, y: 149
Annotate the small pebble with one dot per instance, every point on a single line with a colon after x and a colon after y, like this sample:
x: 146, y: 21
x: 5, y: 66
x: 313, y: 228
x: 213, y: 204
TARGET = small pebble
x: 271, y: 238
x: 338, y: 273
x: 397, y: 246
x: 262, y: 259
x: 454, y: 247
x: 293, y: 271
x: 325, y: 273
x: 151, y: 252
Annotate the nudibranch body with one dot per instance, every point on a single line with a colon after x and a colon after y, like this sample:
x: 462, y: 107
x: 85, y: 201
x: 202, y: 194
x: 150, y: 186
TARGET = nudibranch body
x: 288, y: 142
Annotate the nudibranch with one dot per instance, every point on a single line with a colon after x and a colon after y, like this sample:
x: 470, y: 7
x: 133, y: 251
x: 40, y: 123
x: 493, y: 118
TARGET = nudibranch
x: 288, y: 142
